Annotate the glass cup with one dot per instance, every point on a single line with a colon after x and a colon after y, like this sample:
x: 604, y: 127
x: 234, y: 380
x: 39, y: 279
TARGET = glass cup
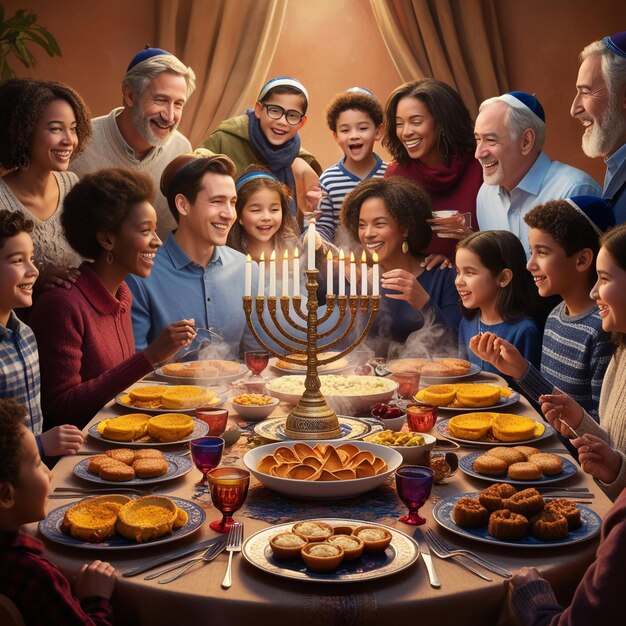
x: 256, y: 361
x: 446, y: 224
x: 408, y: 384
x: 413, y: 484
x: 229, y: 489
x: 206, y: 453
x: 216, y: 419
x: 421, y: 418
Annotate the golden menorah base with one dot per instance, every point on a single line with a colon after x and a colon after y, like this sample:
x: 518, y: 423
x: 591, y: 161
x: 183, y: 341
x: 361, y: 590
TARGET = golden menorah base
x: 312, y: 418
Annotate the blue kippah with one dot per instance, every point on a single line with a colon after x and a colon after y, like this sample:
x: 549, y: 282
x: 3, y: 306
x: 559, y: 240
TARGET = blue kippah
x: 596, y: 210
x: 246, y: 178
x: 530, y: 102
x: 616, y: 43
x: 144, y: 55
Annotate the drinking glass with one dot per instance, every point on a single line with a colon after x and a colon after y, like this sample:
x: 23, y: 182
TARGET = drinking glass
x: 421, y: 417
x: 413, y: 484
x: 229, y: 489
x: 206, y: 453
x: 215, y: 419
x: 408, y: 384
x: 256, y: 361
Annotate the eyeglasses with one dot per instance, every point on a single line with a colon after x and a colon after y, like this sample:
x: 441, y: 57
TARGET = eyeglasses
x: 275, y: 112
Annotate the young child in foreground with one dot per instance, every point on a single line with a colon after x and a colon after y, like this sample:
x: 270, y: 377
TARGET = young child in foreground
x: 35, y: 585
x: 19, y: 358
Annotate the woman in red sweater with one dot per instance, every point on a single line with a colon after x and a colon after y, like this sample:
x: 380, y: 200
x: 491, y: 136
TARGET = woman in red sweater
x: 430, y: 134
x: 84, y: 334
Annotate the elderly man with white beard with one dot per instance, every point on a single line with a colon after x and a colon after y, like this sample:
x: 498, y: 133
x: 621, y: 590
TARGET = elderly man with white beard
x: 518, y: 175
x: 600, y: 104
x: 142, y: 133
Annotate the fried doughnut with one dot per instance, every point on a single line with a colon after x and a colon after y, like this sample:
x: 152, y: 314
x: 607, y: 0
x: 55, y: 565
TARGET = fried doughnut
x: 150, y: 468
x: 125, y: 455
x: 508, y: 455
x: 549, y: 464
x: 470, y: 513
x: 526, y: 502
x: 117, y: 471
x: 507, y: 525
x: 489, y: 465
x: 549, y: 525
x: 525, y: 470
x: 492, y: 497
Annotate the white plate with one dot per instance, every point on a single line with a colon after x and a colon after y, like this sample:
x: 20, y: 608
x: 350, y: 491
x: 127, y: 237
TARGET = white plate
x: 322, y: 490
x: 214, y: 380
x: 442, y: 428
x: 442, y: 512
x: 512, y: 399
x: 177, y: 466
x: 200, y: 429
x: 466, y: 466
x: 473, y: 370
x: 351, y: 428
x: 50, y: 528
x: 331, y: 368
x: 401, y: 553
x: 219, y: 402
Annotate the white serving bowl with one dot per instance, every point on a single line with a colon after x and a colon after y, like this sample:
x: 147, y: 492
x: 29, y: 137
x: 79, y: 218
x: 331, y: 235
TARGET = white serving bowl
x: 255, y: 411
x: 413, y: 455
x: 322, y: 490
x: 345, y: 403
x: 393, y: 423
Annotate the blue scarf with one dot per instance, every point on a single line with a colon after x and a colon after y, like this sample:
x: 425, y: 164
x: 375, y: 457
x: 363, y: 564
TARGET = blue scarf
x: 277, y: 158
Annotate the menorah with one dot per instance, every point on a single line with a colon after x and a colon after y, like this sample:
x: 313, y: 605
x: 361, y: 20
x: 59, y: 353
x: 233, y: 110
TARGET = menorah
x: 312, y: 418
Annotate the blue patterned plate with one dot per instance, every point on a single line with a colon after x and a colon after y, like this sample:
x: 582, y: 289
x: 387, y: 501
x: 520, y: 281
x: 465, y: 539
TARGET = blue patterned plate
x: 351, y: 428
x: 442, y: 428
x: 402, y: 552
x: 442, y: 512
x: 177, y: 466
x: 50, y: 528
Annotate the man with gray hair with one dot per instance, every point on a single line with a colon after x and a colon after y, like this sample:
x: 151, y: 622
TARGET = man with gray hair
x: 518, y: 175
x: 600, y: 104
x: 142, y: 134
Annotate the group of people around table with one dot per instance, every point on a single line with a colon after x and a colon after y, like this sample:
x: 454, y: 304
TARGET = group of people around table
x: 128, y: 244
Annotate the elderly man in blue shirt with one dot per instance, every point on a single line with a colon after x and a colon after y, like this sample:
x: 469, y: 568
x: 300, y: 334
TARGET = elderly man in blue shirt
x: 195, y: 275
x: 518, y: 175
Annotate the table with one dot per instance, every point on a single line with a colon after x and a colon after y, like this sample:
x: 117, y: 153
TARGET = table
x: 262, y: 599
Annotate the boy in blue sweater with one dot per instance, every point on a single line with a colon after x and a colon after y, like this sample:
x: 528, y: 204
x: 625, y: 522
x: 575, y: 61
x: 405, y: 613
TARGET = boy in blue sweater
x: 564, y: 242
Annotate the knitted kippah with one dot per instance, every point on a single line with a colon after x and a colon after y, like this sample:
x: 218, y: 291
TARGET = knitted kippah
x: 523, y: 100
x: 616, y: 43
x: 596, y: 210
x: 283, y: 81
x: 144, y: 55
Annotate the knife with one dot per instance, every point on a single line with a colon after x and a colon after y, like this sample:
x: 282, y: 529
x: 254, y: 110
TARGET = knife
x: 172, y: 556
x: 428, y: 561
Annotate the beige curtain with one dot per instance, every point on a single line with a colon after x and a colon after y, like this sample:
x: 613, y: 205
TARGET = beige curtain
x: 456, y: 41
x: 229, y: 44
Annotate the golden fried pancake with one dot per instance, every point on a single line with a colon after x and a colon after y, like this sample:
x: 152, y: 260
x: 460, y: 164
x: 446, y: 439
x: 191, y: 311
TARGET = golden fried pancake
x: 150, y: 468
x: 146, y: 393
x: 147, y: 518
x: 508, y: 455
x: 124, y: 428
x: 477, y: 395
x: 170, y: 426
x: 489, y: 465
x: 148, y: 453
x: 508, y: 427
x: 524, y: 471
x: 96, y: 462
x: 549, y: 464
x: 185, y: 397
x: 116, y: 470
x: 93, y: 519
x: 406, y: 366
x: 125, y: 455
x: 472, y: 426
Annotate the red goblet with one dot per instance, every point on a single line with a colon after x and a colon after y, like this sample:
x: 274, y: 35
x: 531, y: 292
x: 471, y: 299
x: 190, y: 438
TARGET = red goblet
x: 229, y: 489
x: 413, y: 484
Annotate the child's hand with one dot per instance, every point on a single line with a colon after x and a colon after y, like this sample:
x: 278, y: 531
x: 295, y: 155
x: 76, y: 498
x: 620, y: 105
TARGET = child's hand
x: 96, y: 579
x: 61, y: 440
x: 523, y: 576
x: 56, y: 276
x: 561, y: 411
x: 504, y: 356
x: 597, y: 458
x: 312, y: 200
x: 172, y: 338
x: 432, y: 260
x: 410, y: 290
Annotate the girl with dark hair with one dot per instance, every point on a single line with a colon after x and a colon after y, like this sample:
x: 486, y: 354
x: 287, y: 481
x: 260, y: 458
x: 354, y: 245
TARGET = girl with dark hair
x: 430, y: 134
x: 84, y: 334
x: 43, y: 126
x: 389, y: 216
x: 497, y: 294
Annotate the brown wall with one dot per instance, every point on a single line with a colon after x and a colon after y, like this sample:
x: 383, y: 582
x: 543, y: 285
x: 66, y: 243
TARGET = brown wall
x: 331, y: 45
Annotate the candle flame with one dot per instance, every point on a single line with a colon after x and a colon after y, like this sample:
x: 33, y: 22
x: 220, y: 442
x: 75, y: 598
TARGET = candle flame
x: 273, y: 257
x: 329, y: 256
x: 352, y: 259
x: 375, y: 257
x: 342, y: 256
x: 248, y: 258
x: 262, y: 257
x: 363, y: 258
x: 286, y: 255
x: 296, y: 254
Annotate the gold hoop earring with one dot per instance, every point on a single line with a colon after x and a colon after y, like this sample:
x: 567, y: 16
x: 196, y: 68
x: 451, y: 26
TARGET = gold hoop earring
x: 405, y: 245
x: 110, y: 257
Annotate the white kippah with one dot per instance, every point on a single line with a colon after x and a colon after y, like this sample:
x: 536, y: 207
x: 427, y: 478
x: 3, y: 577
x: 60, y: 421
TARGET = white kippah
x: 283, y: 81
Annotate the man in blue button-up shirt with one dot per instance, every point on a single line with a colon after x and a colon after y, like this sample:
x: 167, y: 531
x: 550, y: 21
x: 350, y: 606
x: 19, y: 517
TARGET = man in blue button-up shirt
x: 195, y: 275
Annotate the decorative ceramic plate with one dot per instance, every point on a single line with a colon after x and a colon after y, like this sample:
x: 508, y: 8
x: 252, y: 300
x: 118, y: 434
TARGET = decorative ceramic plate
x: 512, y: 399
x: 50, y: 528
x: 467, y: 462
x: 473, y: 370
x: 341, y: 365
x: 442, y: 428
x: 200, y: 429
x: 442, y: 512
x: 401, y: 553
x: 177, y: 466
x: 213, y: 380
x: 123, y: 399
x: 351, y: 428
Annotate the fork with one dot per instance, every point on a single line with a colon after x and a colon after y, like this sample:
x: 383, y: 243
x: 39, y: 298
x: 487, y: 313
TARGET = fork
x: 233, y: 544
x: 210, y: 553
x: 448, y: 555
x: 440, y: 545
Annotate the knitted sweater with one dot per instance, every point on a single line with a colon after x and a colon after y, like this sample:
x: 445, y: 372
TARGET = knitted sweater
x: 598, y: 598
x: 86, y: 348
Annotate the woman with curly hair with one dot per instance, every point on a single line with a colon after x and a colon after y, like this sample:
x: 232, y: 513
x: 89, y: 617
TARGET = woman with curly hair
x: 430, y: 134
x: 43, y: 126
x: 389, y: 216
x: 84, y: 334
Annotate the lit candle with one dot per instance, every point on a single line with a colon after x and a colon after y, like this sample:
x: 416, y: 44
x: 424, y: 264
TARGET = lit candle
x: 342, y: 273
x: 352, y: 274
x: 247, y: 289
x: 273, y: 274
x: 296, y: 272
x: 329, y: 273
x: 311, y: 246
x: 261, y: 291
x: 285, y: 274
x: 363, y: 274
x: 375, y: 276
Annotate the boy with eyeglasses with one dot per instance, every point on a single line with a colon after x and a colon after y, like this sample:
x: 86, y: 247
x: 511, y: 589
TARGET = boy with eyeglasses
x: 268, y: 135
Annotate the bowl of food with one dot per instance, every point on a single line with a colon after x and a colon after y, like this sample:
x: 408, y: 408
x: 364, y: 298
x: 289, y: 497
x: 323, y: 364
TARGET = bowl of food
x: 346, y: 395
x: 322, y: 469
x: 392, y: 416
x: 254, y: 406
x: 413, y: 447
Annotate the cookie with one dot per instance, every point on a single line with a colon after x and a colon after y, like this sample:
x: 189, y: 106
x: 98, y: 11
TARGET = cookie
x: 489, y: 465
x: 150, y: 468
x: 125, y: 455
x: 117, y: 471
